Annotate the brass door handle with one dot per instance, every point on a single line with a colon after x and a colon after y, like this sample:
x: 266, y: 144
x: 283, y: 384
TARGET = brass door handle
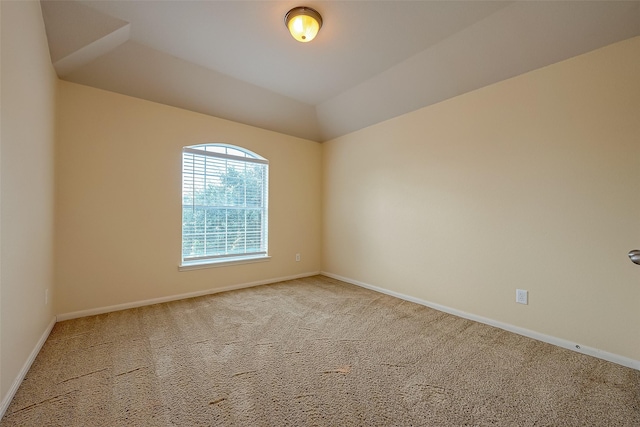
x: 635, y: 256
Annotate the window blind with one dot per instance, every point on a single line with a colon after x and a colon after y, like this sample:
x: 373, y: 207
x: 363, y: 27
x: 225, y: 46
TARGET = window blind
x: 224, y: 203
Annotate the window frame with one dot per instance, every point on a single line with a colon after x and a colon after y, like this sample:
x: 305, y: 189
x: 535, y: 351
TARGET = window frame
x: 238, y: 155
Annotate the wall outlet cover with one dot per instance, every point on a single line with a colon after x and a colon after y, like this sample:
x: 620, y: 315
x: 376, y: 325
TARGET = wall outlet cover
x: 522, y: 296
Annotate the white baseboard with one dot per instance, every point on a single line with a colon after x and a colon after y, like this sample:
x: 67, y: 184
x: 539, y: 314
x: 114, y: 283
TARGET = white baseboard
x: 125, y: 306
x: 600, y: 354
x: 6, y: 400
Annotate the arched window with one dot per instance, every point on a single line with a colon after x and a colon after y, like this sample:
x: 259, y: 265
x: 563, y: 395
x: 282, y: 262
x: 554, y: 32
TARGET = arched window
x: 224, y: 204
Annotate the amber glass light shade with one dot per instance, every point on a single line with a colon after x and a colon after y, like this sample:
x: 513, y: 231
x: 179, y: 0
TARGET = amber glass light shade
x: 303, y: 23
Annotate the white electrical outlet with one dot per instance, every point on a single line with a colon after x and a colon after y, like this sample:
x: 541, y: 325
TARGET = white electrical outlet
x: 297, y: 257
x: 522, y: 296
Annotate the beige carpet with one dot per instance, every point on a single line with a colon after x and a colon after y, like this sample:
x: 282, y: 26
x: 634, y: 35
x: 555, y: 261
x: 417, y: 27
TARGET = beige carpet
x: 312, y: 352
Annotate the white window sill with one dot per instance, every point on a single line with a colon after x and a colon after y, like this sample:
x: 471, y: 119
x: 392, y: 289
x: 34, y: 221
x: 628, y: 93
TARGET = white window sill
x: 197, y: 265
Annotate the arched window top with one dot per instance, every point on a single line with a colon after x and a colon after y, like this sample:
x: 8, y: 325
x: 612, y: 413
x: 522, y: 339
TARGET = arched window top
x: 226, y: 149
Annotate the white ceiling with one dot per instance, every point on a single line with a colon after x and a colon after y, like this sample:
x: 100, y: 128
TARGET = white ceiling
x: 371, y: 61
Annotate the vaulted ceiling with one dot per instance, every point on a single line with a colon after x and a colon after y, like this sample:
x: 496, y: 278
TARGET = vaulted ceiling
x: 372, y: 60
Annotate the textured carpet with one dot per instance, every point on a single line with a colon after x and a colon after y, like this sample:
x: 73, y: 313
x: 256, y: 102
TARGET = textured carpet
x: 311, y: 352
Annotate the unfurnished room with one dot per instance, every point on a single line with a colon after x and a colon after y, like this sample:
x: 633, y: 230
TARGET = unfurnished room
x: 322, y: 213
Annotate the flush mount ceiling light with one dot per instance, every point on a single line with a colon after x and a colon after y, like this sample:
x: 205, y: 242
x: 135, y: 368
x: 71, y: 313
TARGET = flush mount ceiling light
x: 303, y: 23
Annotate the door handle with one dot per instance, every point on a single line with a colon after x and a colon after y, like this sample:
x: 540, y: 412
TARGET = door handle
x: 635, y: 256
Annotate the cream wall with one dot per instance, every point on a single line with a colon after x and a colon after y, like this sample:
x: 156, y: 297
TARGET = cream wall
x: 26, y: 191
x: 118, y: 193
x: 530, y: 183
